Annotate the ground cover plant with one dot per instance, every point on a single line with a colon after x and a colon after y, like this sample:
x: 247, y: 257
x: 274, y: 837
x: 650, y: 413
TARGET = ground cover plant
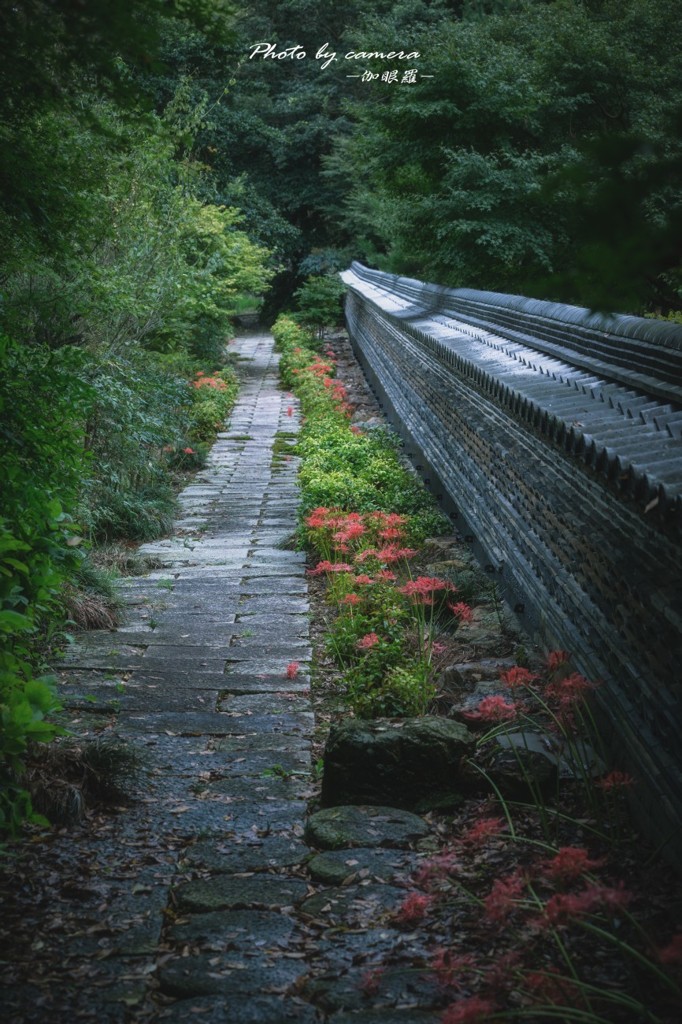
x: 538, y: 901
x: 375, y: 510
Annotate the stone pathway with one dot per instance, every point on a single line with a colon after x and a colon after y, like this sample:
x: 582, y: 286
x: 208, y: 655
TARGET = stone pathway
x: 205, y: 890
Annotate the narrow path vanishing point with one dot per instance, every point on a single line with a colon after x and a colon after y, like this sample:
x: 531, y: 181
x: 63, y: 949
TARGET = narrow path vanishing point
x: 200, y: 884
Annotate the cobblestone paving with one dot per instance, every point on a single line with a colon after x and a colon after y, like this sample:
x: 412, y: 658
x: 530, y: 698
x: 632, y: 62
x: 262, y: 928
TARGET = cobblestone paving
x: 199, y: 901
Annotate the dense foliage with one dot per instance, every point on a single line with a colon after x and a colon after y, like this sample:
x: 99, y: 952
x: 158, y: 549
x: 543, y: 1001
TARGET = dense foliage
x: 542, y: 155
x: 119, y: 271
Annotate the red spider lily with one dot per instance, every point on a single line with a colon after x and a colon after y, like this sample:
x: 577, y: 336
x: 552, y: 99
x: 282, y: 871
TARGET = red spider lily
x: 367, y: 642
x: 438, y: 648
x: 570, y: 689
x: 326, y: 566
x: 565, y: 723
x: 569, y: 863
x: 386, y: 576
x: 473, y: 1010
x: 386, y: 519
x: 215, y: 382
x: 609, y: 897
x: 292, y: 669
x: 441, y: 866
x: 449, y: 968
x: 370, y: 981
x: 672, y: 953
x: 388, y: 554
x: 557, y: 659
x: 500, y: 901
x: 563, y: 906
x: 351, y: 599
x: 462, y: 611
x: 413, y: 909
x: 318, y: 368
x: 551, y: 987
x: 484, y: 829
x: 354, y: 529
x: 317, y: 518
x: 343, y: 520
x: 189, y: 451
x: 518, y: 676
x: 334, y: 521
x: 349, y: 532
x: 363, y: 579
x: 500, y: 979
x: 492, y: 709
x: 615, y: 780
x: 425, y: 585
x: 391, y: 533
x: 424, y: 588
x: 364, y: 556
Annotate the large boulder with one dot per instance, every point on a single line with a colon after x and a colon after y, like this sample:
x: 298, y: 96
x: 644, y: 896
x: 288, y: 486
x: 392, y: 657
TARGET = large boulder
x: 411, y: 763
x: 522, y: 766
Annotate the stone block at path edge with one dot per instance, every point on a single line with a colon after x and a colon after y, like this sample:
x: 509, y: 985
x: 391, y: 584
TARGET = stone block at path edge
x: 412, y: 763
x: 257, y: 1009
x: 225, y: 892
x: 338, y: 828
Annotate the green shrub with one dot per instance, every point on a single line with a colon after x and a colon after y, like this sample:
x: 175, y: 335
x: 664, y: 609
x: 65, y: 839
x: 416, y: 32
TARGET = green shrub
x: 289, y: 336
x: 119, y: 275
x: 213, y: 397
x: 403, y: 692
x: 207, y: 419
x: 319, y: 302
x: 341, y: 468
x: 188, y: 458
x: 141, y: 515
x: 91, y: 599
x: 138, y: 412
x: 41, y: 398
x: 346, y: 475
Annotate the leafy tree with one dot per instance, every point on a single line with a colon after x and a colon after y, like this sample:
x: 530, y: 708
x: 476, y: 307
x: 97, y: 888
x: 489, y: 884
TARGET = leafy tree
x: 42, y: 454
x: 543, y: 156
x: 319, y: 302
x: 273, y: 123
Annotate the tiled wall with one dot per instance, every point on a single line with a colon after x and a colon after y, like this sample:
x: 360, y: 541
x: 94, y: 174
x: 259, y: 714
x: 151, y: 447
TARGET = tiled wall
x: 593, y: 574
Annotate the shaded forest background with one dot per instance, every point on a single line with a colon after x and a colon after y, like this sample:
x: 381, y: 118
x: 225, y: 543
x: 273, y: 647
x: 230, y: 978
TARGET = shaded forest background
x: 156, y: 181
